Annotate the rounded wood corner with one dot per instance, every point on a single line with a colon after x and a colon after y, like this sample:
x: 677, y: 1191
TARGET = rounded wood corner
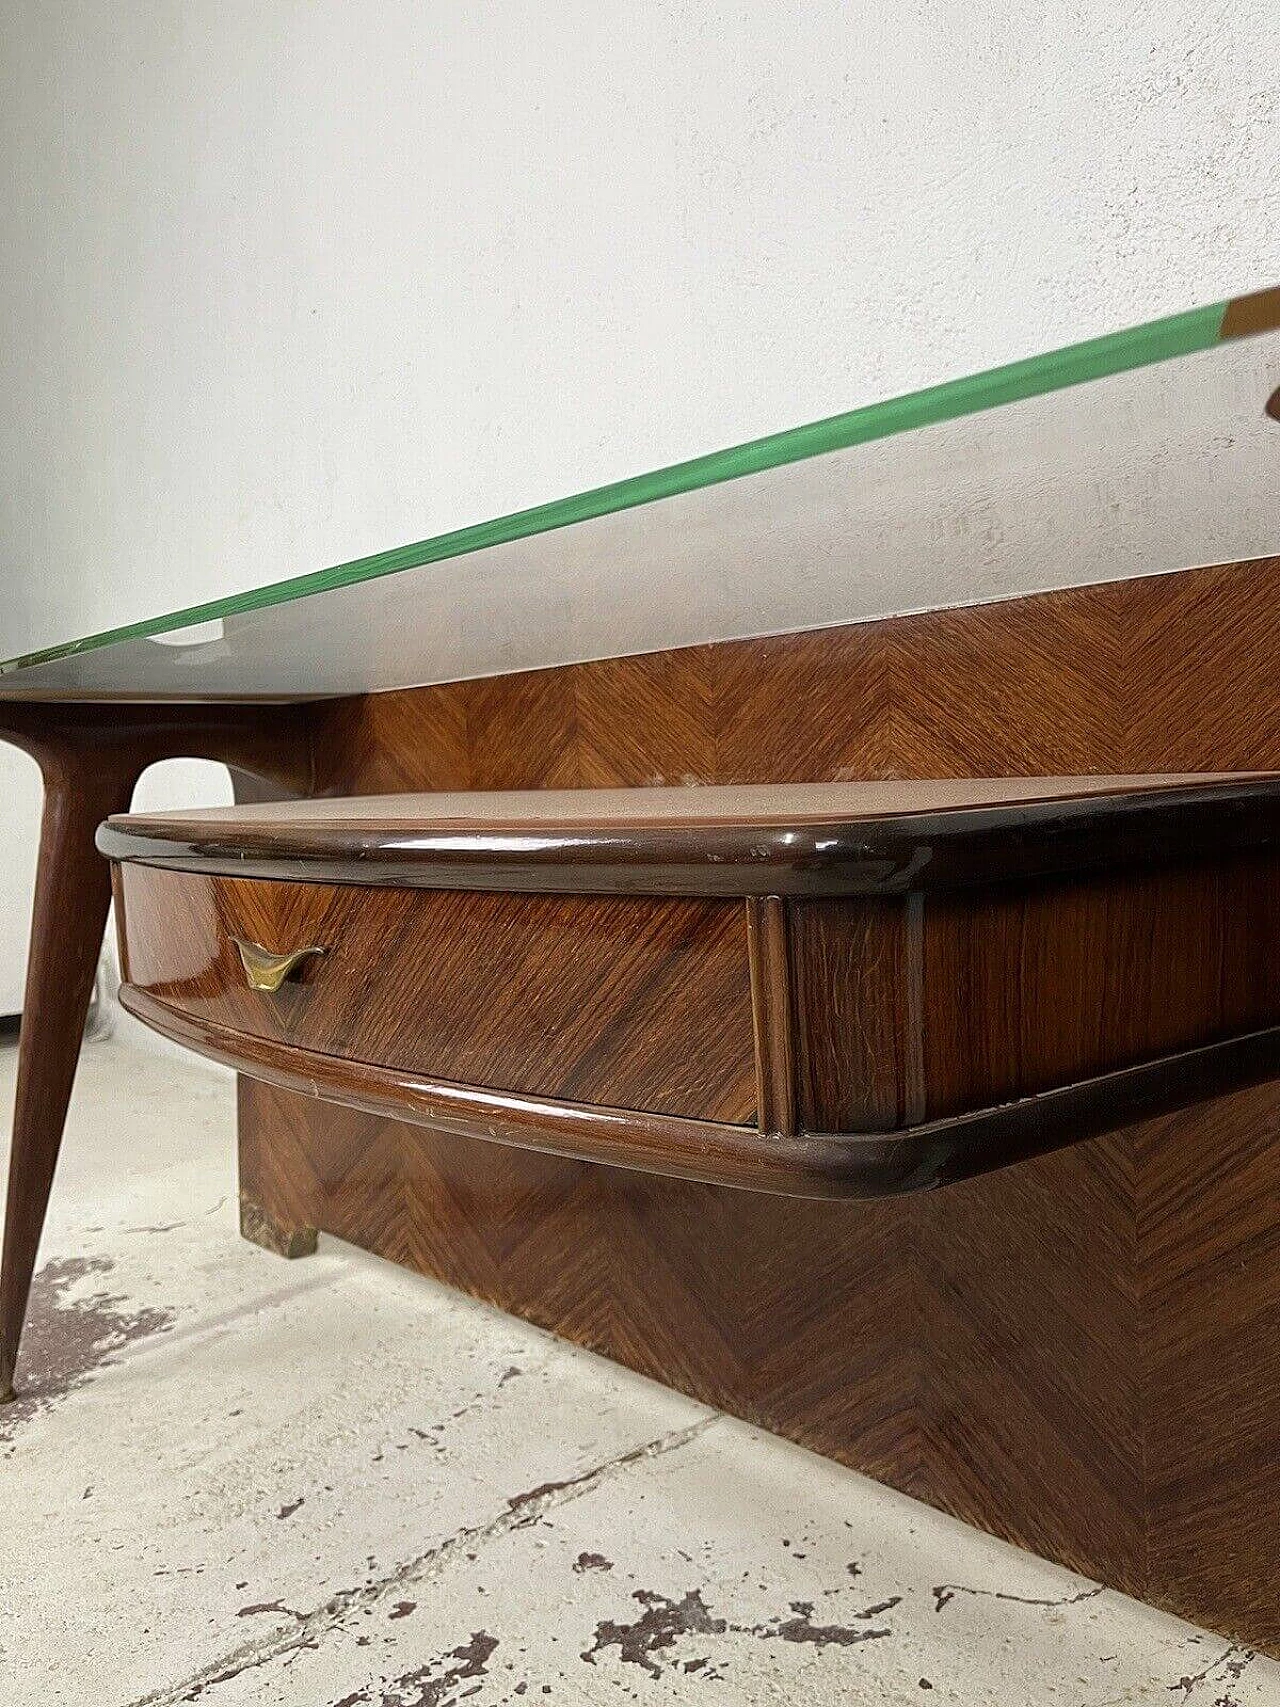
x: 807, y: 1164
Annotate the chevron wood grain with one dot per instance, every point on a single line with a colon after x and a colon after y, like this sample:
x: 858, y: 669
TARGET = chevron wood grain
x: 1077, y: 1353
x: 1164, y: 673
x: 626, y: 1001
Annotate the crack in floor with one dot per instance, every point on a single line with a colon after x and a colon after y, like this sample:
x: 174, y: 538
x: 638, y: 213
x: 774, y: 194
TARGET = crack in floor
x: 173, y: 1226
x: 944, y: 1592
x: 1235, y: 1661
x: 523, y: 1510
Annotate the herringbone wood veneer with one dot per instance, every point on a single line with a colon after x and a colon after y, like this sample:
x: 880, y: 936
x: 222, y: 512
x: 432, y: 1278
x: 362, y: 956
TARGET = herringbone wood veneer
x: 1078, y: 1353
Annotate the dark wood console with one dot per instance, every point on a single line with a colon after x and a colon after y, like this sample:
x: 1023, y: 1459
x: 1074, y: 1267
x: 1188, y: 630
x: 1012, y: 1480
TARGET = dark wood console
x: 658, y: 1057
x: 841, y: 990
x: 1076, y: 1353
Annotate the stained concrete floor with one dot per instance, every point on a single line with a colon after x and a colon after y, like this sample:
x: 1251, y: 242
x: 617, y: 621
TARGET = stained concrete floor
x: 235, y: 1480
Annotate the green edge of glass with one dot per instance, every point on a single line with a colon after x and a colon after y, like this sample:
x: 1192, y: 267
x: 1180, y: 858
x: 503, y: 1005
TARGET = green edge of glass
x: 1096, y: 358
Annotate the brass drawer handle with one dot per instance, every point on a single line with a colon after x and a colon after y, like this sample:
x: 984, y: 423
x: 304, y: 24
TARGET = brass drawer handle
x: 267, y: 971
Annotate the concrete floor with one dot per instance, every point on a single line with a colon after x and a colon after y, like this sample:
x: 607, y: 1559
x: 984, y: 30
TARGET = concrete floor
x: 235, y: 1480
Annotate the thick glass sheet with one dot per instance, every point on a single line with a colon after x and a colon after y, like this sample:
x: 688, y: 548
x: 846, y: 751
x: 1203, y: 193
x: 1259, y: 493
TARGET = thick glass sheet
x: 1147, y: 451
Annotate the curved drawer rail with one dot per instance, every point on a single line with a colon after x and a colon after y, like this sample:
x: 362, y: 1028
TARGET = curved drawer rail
x: 807, y: 1164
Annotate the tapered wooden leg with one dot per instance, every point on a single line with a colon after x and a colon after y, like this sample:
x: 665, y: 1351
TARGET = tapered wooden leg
x: 73, y: 892
x: 91, y: 755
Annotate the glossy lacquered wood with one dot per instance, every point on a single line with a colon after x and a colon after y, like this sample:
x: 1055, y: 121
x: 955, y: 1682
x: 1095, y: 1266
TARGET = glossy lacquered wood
x: 90, y: 757
x: 851, y: 838
x: 632, y: 1002
x: 1075, y: 1353
x: 940, y: 1002
x: 1166, y: 674
x: 944, y: 1015
x: 805, y: 1164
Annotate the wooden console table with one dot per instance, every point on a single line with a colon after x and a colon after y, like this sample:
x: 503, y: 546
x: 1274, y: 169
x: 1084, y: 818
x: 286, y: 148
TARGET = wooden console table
x: 625, y: 1058
x: 844, y: 990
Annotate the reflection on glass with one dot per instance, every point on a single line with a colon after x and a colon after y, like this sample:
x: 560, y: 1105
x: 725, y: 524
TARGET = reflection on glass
x: 1152, y: 449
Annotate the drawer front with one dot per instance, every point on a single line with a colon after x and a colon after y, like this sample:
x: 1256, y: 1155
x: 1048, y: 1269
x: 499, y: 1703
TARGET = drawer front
x: 631, y: 1002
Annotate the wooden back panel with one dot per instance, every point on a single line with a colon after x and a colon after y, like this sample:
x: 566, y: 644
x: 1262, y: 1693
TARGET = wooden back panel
x: 1041, y: 1351
x: 1169, y: 673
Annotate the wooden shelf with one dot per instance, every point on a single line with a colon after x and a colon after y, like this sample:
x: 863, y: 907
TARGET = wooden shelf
x: 836, y: 990
x: 857, y: 838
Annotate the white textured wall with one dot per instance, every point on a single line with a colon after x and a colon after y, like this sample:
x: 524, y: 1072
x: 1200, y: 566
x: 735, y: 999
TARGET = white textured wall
x: 282, y: 283
x: 285, y: 283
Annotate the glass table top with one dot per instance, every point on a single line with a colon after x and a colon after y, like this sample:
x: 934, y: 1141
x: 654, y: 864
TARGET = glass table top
x: 1148, y: 450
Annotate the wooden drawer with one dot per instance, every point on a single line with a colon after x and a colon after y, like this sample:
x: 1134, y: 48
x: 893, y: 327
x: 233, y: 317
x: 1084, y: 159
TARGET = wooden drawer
x: 630, y: 1002
x: 827, y: 991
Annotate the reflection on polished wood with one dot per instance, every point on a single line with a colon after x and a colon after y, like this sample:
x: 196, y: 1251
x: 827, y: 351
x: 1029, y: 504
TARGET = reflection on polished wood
x: 1075, y: 1353
x: 805, y: 1164
x: 947, y: 982
x: 90, y: 757
x: 636, y: 1002
x: 850, y: 838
